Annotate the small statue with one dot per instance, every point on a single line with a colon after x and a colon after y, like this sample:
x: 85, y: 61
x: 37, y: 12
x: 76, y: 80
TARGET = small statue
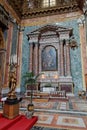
x: 12, y: 84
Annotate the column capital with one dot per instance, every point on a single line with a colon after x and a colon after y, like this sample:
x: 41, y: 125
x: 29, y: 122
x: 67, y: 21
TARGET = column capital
x: 81, y: 20
x: 21, y: 28
x: 67, y: 42
x: 61, y: 41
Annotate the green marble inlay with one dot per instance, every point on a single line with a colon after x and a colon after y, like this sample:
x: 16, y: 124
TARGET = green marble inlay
x: 75, y: 55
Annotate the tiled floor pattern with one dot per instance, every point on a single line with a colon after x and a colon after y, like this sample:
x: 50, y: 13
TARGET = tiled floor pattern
x: 62, y: 106
x: 72, y: 104
x: 44, y: 105
x: 56, y: 121
x: 63, y: 121
x: 80, y: 106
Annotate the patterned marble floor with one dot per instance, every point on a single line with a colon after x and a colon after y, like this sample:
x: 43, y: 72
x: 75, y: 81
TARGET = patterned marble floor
x: 50, y: 120
x: 61, y: 121
x: 74, y: 104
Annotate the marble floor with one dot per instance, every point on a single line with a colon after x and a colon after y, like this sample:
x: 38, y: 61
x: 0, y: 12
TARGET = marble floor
x: 73, y: 104
x: 63, y: 121
x: 60, y: 115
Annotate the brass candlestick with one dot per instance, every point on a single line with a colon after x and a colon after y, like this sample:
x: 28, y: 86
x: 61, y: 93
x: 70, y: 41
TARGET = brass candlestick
x: 12, y: 84
x: 12, y: 78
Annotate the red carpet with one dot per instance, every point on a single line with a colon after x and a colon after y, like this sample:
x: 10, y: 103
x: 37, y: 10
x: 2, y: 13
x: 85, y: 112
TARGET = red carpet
x: 20, y: 123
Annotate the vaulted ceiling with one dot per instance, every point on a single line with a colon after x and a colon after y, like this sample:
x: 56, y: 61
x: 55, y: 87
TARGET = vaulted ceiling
x: 33, y: 8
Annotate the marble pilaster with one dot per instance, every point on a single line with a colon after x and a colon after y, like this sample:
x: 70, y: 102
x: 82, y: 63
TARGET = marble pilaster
x: 40, y: 50
x: 68, y: 58
x: 36, y: 58
x: 61, y: 59
x: 31, y: 58
x: 65, y: 58
x: 19, y: 55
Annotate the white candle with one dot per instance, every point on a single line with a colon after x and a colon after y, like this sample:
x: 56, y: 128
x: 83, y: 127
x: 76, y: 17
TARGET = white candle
x: 14, y: 59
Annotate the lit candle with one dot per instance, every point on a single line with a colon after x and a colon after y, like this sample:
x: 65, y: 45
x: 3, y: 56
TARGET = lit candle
x: 14, y: 59
x: 11, y: 59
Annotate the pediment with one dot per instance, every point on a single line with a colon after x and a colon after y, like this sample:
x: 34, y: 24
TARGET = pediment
x: 50, y: 29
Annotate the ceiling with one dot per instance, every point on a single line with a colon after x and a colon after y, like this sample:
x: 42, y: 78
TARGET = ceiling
x: 33, y: 8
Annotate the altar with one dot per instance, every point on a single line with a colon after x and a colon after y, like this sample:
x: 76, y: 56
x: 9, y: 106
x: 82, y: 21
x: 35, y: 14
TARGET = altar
x: 48, y: 89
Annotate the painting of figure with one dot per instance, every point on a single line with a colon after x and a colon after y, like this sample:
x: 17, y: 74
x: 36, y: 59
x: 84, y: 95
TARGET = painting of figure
x: 49, y: 59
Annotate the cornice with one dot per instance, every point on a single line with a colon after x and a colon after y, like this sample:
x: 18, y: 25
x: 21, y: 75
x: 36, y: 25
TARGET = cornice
x: 50, y: 11
x: 51, y: 19
x: 23, y: 10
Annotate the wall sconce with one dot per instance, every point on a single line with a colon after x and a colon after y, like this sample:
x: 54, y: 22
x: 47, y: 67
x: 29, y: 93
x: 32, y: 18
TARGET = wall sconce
x: 55, y: 76
x: 73, y: 43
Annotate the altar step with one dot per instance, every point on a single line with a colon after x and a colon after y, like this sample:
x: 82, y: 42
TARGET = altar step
x: 20, y: 123
x: 24, y: 124
x: 41, y: 99
x: 6, y: 123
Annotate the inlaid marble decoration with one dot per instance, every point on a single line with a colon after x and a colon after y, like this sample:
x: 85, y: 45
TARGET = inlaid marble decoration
x: 70, y: 121
x: 75, y: 55
x: 81, y: 106
x: 45, y: 119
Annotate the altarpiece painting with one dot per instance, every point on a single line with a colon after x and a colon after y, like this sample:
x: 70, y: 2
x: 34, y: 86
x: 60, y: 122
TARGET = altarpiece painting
x: 49, y: 60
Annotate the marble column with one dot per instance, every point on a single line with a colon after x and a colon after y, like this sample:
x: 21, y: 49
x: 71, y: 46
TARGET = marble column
x: 82, y: 30
x: 36, y: 58
x: 65, y: 63
x: 58, y: 52
x: 85, y: 14
x: 31, y: 58
x: 61, y: 58
x: 68, y: 58
x: 19, y: 56
x: 40, y: 51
